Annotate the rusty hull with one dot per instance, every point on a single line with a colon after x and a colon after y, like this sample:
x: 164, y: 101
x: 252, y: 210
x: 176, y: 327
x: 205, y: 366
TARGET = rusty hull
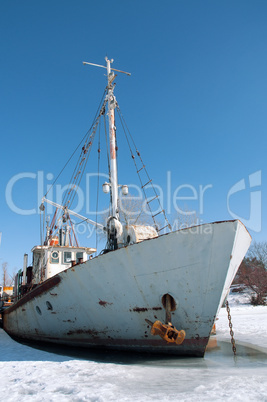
x: 106, y: 301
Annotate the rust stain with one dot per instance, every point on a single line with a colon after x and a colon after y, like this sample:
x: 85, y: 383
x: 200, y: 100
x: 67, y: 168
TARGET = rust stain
x: 104, y: 303
x: 91, y: 332
x: 143, y: 309
x: 193, y: 347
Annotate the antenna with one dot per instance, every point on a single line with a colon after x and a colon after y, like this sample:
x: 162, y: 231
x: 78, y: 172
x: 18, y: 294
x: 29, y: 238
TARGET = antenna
x: 111, y: 61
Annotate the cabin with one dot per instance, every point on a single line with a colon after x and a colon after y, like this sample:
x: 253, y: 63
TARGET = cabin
x: 48, y: 261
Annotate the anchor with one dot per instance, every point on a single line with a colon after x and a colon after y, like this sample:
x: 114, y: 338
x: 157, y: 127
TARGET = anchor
x: 167, y: 331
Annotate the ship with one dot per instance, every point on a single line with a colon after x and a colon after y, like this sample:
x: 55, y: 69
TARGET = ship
x: 151, y: 289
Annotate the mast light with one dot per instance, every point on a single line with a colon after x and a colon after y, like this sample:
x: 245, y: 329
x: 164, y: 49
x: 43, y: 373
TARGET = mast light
x: 106, y: 188
x: 124, y: 189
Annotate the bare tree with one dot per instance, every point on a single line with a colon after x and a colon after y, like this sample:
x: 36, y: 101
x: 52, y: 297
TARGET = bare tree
x: 7, y: 279
x: 253, y: 273
x: 258, y: 251
x: 5, y: 274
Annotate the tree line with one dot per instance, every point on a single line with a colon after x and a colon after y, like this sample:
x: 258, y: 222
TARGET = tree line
x: 252, y: 274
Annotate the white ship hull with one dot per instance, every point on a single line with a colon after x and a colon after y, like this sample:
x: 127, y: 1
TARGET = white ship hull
x: 105, y: 301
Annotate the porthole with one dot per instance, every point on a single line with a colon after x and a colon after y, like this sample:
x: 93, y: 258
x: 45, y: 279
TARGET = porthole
x: 49, y: 305
x: 55, y: 257
x: 38, y: 310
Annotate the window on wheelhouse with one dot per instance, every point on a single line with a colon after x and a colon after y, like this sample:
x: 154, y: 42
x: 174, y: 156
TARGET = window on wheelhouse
x: 79, y: 255
x: 55, y: 257
x: 67, y: 257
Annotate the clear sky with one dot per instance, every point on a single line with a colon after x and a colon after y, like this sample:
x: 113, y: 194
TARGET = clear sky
x: 195, y: 103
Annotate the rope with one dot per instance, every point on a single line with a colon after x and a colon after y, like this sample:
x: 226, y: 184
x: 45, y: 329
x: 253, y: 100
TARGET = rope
x: 78, y: 146
x: 87, y: 141
x: 86, y: 151
x: 73, y: 231
x: 123, y: 123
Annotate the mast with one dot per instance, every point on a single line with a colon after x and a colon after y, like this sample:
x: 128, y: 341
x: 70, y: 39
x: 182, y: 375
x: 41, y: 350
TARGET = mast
x: 112, y: 134
x: 112, y: 141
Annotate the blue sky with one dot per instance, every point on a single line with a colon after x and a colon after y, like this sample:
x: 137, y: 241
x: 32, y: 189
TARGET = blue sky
x: 195, y: 102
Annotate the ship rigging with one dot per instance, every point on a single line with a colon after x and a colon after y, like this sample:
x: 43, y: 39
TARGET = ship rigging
x: 113, y: 227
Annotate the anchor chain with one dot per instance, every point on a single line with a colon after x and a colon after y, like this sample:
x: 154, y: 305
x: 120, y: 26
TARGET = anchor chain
x: 231, y: 327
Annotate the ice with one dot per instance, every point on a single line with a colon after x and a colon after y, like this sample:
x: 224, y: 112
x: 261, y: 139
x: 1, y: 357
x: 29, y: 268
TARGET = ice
x: 29, y: 374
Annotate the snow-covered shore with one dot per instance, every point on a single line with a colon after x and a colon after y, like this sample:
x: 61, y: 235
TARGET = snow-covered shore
x: 28, y: 374
x: 249, y: 325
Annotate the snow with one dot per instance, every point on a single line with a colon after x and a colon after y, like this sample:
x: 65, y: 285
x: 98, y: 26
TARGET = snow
x: 28, y: 374
x: 249, y: 326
